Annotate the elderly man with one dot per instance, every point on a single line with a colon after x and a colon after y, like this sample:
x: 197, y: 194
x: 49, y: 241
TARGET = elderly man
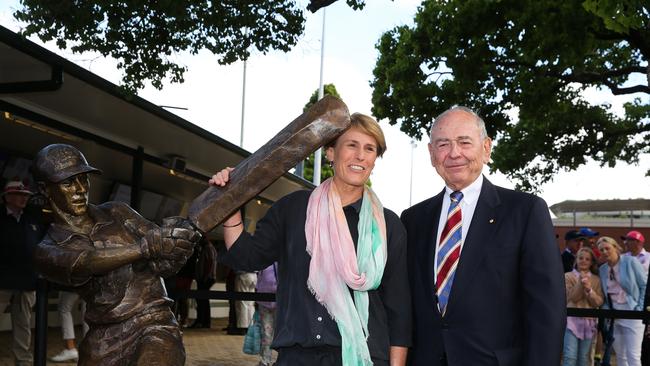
x: 486, y: 278
x: 20, y: 231
x: 115, y: 260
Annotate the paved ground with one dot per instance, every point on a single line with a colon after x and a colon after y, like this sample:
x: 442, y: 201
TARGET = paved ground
x: 204, y: 347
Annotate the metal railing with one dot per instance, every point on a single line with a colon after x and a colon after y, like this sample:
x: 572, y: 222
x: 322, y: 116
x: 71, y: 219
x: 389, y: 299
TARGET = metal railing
x: 40, y: 309
x: 43, y: 287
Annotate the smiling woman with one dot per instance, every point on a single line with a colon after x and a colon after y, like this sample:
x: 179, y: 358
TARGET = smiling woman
x: 343, y: 294
x: 353, y: 156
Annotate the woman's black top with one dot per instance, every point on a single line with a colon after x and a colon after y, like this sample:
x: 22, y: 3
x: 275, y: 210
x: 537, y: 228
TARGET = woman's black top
x: 300, y: 319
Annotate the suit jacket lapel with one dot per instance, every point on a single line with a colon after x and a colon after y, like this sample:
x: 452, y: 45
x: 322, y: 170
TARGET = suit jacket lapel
x: 429, y: 234
x: 479, y: 238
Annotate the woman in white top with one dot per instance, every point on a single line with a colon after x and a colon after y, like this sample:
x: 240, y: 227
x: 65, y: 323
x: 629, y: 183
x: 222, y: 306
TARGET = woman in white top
x: 623, y: 280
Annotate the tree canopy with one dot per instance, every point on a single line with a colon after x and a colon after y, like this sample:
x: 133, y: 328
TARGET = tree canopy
x: 524, y: 66
x: 146, y: 36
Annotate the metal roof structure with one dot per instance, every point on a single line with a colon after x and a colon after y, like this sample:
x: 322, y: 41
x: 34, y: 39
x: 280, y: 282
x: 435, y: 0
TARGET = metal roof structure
x: 615, y: 205
x: 45, y: 99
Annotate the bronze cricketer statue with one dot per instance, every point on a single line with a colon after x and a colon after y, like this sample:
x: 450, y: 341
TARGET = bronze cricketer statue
x: 115, y: 259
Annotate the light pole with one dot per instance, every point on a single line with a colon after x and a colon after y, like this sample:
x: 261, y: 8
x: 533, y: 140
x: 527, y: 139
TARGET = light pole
x: 318, y: 153
x: 413, y: 146
x: 243, y: 100
x: 243, y: 108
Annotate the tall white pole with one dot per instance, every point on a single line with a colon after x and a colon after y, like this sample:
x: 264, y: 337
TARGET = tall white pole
x: 413, y: 146
x: 243, y: 107
x: 243, y: 100
x: 318, y: 153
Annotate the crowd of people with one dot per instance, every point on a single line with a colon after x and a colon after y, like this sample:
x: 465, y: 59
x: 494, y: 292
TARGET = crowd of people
x: 480, y: 284
x: 601, y: 273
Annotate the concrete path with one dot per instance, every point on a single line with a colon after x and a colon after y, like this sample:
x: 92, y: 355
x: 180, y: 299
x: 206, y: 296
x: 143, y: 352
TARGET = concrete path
x: 204, y: 347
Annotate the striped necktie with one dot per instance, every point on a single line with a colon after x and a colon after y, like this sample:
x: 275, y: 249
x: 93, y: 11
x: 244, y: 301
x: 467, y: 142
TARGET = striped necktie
x: 449, y: 250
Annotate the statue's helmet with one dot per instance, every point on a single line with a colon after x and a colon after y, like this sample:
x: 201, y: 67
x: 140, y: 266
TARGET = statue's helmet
x: 58, y: 162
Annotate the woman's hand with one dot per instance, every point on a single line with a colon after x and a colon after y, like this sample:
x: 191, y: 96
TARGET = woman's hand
x: 221, y: 178
x: 586, y: 283
x: 234, y: 225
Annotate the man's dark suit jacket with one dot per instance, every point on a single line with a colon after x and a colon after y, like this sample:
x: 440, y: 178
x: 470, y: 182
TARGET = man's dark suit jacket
x: 507, y: 304
x: 568, y: 260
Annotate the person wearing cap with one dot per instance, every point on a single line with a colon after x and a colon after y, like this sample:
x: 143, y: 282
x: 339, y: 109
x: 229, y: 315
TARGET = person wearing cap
x: 623, y: 281
x: 589, y: 240
x: 634, y: 242
x: 573, y: 242
x: 20, y: 231
x: 115, y: 259
x: 588, y: 233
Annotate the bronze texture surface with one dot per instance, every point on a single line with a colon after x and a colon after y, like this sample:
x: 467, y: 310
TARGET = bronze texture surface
x: 115, y: 260
x: 322, y: 123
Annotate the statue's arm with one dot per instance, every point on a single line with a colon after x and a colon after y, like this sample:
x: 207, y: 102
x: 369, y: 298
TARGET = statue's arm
x: 77, y: 260
x: 166, y: 248
x: 103, y: 260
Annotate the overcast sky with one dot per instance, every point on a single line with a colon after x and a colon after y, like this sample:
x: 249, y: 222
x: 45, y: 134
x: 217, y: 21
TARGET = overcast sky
x: 279, y: 84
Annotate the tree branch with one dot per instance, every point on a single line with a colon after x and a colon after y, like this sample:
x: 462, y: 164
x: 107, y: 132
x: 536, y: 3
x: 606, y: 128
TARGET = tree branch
x: 314, y: 5
x: 629, y: 90
x: 514, y: 64
x: 586, y: 76
x: 603, y: 78
x: 608, y: 36
x: 590, y: 77
x: 439, y: 73
x: 640, y: 40
x: 625, y: 71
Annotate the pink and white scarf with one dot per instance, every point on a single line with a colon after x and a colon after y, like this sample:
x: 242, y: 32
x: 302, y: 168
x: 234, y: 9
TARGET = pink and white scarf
x: 335, y: 265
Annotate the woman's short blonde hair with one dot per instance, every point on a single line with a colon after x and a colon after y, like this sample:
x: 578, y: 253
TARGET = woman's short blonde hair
x: 370, y: 127
x: 611, y: 241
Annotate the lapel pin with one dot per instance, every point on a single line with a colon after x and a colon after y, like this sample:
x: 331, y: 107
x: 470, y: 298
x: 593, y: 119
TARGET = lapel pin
x: 491, y: 221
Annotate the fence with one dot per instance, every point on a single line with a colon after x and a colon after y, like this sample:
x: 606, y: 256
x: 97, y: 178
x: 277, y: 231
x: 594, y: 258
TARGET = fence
x: 43, y: 286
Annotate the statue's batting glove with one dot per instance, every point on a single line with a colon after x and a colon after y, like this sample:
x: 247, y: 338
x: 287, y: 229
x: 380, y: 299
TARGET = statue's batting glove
x: 162, y: 266
x: 175, y: 240
x: 179, y: 238
x: 175, y: 246
x: 151, y: 244
x: 178, y: 222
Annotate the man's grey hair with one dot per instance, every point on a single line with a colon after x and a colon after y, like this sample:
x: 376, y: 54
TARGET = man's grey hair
x: 479, y: 121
